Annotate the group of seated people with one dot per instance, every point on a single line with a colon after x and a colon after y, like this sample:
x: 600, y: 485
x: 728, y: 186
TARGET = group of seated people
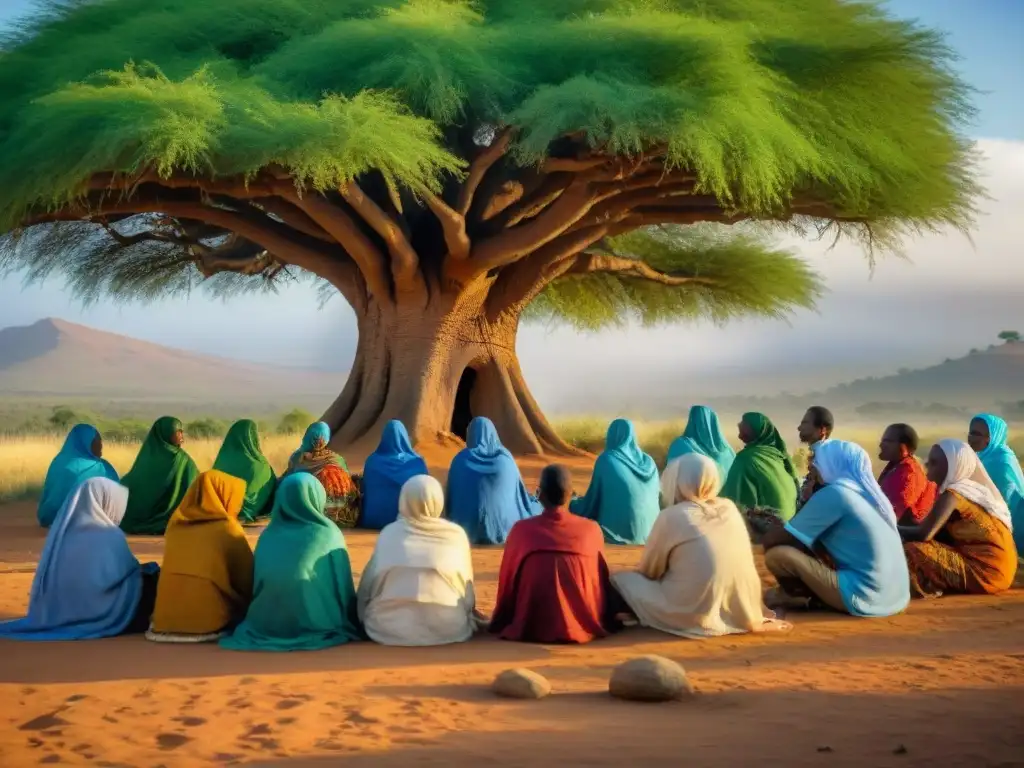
x: 840, y: 539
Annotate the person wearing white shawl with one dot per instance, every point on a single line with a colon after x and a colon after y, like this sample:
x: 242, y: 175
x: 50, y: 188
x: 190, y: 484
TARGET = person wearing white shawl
x: 965, y: 544
x: 417, y: 588
x: 842, y: 547
x: 697, y: 576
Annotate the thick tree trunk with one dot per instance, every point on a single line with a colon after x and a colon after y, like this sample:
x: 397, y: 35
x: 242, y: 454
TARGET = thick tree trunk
x: 409, y: 363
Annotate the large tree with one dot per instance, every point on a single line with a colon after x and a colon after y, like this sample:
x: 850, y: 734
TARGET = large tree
x: 447, y: 166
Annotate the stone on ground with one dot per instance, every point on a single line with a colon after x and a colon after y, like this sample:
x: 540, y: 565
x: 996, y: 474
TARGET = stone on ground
x: 649, y: 678
x: 521, y: 684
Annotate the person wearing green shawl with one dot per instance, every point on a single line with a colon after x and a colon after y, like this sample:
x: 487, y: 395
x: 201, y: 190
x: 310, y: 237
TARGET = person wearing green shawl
x: 240, y: 456
x: 158, y: 479
x: 304, y: 598
x: 762, y: 481
x: 703, y: 435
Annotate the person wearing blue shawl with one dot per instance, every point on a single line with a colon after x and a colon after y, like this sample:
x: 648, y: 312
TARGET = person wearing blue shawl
x: 485, y: 494
x: 987, y: 436
x: 384, y: 474
x: 304, y: 598
x: 80, y: 458
x: 88, y: 584
x: 625, y: 491
x: 703, y: 435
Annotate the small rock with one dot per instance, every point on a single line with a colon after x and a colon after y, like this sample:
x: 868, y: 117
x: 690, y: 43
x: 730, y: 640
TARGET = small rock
x: 521, y: 684
x: 825, y: 749
x: 649, y: 678
x: 900, y: 750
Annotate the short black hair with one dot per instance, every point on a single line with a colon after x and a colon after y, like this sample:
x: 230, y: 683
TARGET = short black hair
x: 822, y: 416
x: 555, y: 486
x: 906, y: 435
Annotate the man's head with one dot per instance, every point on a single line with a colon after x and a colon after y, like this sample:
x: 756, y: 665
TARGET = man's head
x: 816, y: 425
x: 898, y: 442
x: 555, y: 486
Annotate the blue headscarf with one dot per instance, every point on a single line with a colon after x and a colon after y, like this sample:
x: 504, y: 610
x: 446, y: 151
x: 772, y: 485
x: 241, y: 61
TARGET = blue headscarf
x: 485, y: 494
x: 88, y: 583
x: 703, y: 435
x: 1004, y: 469
x: 384, y: 474
x: 625, y: 492
x: 75, y: 464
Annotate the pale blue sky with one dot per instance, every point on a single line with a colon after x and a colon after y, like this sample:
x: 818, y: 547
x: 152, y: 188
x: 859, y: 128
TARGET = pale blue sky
x: 865, y: 325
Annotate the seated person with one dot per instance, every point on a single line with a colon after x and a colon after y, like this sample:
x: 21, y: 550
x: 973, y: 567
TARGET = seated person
x: 903, y: 480
x: 486, y: 495
x: 303, y: 597
x: 762, y: 482
x: 417, y: 588
x: 703, y: 435
x: 623, y: 497
x: 965, y: 544
x: 240, y: 456
x: 553, y: 585
x: 316, y: 458
x: 158, y: 479
x: 850, y: 521
x: 987, y: 436
x: 88, y: 583
x: 384, y: 474
x: 79, y: 459
x: 206, y: 579
x: 697, y: 576
x: 816, y: 427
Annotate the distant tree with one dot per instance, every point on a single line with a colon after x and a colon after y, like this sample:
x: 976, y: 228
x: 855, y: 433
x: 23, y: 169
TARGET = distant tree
x: 1010, y: 337
x: 452, y: 167
x: 206, y: 428
x: 63, y: 418
x: 125, y: 430
x: 295, y: 422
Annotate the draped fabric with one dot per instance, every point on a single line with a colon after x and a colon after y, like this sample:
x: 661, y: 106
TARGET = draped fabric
x: 697, y: 576
x: 315, y: 457
x: 240, y: 456
x: 314, y: 452
x: 553, y: 585
x: 966, y: 475
x: 206, y: 580
x: 486, y: 495
x: 1004, y: 470
x: 908, y: 488
x: 847, y: 465
x: 703, y: 435
x: 157, y: 481
x: 75, y: 464
x: 763, y: 477
x: 88, y: 583
x: 417, y: 588
x: 304, y: 598
x: 384, y: 474
x: 623, y: 497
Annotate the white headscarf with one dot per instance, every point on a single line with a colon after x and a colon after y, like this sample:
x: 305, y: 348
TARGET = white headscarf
x: 967, y: 476
x: 421, y: 504
x: 848, y: 466
x: 692, y: 478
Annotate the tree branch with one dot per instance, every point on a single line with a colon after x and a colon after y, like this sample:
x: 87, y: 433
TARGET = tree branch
x: 404, y: 260
x: 453, y: 224
x: 479, y: 167
x: 587, y: 263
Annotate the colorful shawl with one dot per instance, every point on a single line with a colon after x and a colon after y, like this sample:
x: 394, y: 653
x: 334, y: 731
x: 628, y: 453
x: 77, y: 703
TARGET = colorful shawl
x: 384, y: 474
x: 624, y: 491
x: 703, y: 435
x: 966, y: 475
x: 240, y: 456
x: 314, y: 454
x: 75, y: 464
x: 157, y: 481
x: 304, y: 598
x: 763, y: 476
x: 1003, y: 469
x: 88, y: 583
x: 486, y: 495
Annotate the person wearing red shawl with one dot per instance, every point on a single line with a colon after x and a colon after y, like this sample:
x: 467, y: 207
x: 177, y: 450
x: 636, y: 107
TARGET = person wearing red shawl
x: 904, y: 480
x: 554, y: 584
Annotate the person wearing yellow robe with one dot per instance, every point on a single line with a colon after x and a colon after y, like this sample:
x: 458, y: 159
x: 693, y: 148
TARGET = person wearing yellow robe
x: 208, y: 564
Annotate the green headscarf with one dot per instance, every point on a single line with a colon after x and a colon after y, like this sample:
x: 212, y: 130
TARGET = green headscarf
x: 762, y: 475
x: 240, y: 456
x: 157, y: 481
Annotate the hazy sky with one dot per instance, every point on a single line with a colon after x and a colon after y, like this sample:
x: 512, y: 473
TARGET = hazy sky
x: 952, y: 295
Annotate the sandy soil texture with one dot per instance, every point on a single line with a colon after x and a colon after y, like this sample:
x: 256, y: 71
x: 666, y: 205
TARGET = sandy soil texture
x: 941, y: 685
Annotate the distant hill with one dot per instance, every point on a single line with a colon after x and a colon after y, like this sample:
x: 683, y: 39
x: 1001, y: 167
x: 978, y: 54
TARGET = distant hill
x: 56, y: 360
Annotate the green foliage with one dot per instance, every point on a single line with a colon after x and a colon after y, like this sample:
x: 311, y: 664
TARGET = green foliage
x: 295, y: 422
x: 1010, y: 336
x: 206, y: 428
x: 738, y: 275
x: 63, y: 418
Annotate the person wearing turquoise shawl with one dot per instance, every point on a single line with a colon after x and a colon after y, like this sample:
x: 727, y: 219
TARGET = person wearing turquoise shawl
x: 485, y: 493
x: 762, y: 481
x: 384, y: 474
x: 625, y: 491
x: 304, y: 598
x: 80, y: 458
x: 158, y: 479
x: 703, y: 435
x: 240, y: 456
x: 988, y: 437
